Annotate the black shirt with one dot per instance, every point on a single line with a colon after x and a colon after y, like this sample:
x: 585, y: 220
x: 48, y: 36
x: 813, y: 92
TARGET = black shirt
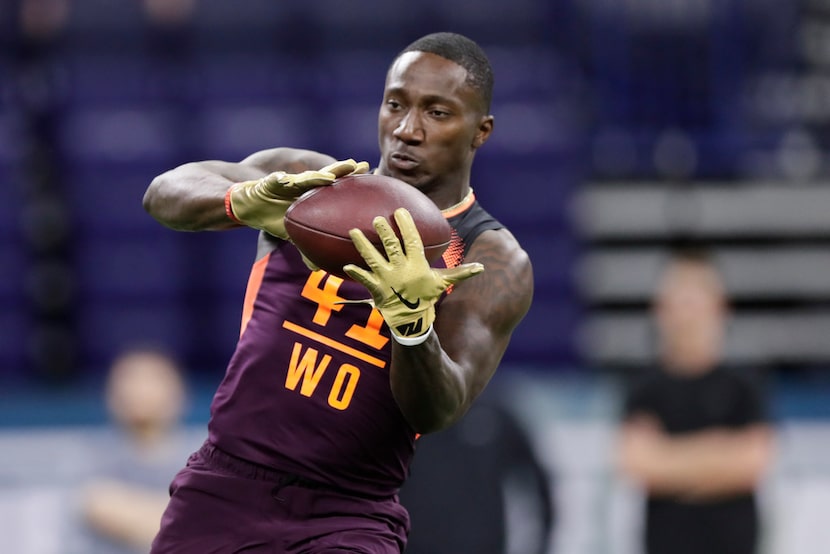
x: 719, y: 398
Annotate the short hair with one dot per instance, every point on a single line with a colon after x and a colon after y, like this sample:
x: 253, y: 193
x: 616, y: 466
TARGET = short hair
x: 696, y: 256
x: 693, y: 254
x: 463, y: 51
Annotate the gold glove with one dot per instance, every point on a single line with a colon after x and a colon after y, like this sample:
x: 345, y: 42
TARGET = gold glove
x: 403, y: 286
x: 262, y: 203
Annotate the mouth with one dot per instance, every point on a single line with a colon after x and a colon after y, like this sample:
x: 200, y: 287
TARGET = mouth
x: 403, y: 161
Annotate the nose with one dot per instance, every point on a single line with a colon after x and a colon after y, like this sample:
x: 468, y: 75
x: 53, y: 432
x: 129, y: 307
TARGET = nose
x: 409, y: 129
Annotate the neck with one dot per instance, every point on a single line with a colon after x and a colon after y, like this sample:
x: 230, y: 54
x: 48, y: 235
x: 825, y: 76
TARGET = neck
x: 461, y: 205
x: 690, y: 361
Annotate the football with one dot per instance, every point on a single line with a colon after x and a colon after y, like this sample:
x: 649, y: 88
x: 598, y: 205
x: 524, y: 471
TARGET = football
x: 318, y: 222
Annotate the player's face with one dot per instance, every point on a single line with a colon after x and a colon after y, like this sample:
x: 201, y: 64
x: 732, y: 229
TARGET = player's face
x: 431, y: 121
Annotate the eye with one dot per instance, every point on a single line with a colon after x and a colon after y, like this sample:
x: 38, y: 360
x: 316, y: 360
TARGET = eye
x: 393, y: 104
x: 439, y: 113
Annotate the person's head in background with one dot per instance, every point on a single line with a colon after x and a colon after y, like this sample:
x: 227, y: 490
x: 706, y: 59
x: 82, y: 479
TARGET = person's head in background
x: 690, y: 311
x: 145, y: 393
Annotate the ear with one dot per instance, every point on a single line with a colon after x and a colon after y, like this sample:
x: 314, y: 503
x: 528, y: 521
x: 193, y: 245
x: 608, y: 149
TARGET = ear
x: 485, y: 128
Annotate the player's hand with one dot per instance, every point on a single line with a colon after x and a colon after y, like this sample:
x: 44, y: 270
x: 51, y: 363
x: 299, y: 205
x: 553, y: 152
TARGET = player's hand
x: 403, y: 286
x: 262, y: 203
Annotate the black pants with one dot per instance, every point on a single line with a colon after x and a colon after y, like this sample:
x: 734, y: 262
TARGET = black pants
x: 729, y: 527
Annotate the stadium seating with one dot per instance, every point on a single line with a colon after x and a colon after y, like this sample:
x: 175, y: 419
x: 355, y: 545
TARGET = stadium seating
x: 137, y: 97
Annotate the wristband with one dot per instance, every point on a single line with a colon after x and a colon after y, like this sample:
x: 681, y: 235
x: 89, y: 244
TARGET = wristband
x: 228, y: 209
x: 414, y: 341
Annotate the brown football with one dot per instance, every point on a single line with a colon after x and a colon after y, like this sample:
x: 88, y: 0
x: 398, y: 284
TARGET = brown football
x: 318, y: 222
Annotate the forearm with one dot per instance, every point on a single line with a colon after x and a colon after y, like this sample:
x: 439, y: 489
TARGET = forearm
x: 427, y: 385
x: 722, y: 462
x: 123, y: 512
x: 705, y: 465
x: 191, y: 197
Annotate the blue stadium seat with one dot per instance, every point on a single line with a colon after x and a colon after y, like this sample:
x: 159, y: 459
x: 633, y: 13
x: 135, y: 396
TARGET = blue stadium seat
x: 356, y: 131
x: 12, y: 125
x: 13, y: 335
x: 95, y: 24
x: 11, y: 159
x: 107, y: 327
x: 134, y: 133
x: 547, y: 334
x: 108, y: 158
x: 262, y: 77
x: 553, y: 255
x: 352, y: 76
x: 527, y: 191
x: 232, y: 255
x: 89, y: 16
x: 121, y: 268
x: 385, y: 26
x: 231, y: 132
x: 106, y: 79
x: 353, y: 16
x: 107, y: 198
x: 215, y: 17
x: 12, y: 264
x: 12, y: 249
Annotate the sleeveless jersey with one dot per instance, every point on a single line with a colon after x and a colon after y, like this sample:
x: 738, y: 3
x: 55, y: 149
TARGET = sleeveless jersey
x: 307, y: 389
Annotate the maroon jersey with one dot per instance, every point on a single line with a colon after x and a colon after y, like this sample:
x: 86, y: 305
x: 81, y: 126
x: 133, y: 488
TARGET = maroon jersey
x: 307, y: 390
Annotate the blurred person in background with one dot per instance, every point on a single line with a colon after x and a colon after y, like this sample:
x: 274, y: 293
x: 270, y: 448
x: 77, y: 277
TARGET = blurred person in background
x: 145, y: 398
x: 480, y: 486
x: 695, y: 434
x: 313, y: 427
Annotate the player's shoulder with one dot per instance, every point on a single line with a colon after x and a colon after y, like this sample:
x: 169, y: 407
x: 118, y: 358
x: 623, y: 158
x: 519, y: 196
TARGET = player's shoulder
x: 292, y: 160
x: 507, y: 280
x: 483, y: 234
x: 500, y: 249
x: 506, y: 263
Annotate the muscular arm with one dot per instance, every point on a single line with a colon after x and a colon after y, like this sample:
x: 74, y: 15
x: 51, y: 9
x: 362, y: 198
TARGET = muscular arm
x: 191, y: 197
x: 695, y: 466
x: 434, y: 383
x: 124, y: 512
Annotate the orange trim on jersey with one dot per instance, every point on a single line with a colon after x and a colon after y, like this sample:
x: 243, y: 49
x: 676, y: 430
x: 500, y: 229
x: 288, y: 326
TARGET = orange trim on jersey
x: 308, y: 333
x: 461, y: 207
x: 254, y: 283
x: 454, y: 254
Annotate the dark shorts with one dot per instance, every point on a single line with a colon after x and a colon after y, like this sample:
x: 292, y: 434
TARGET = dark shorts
x: 221, y: 504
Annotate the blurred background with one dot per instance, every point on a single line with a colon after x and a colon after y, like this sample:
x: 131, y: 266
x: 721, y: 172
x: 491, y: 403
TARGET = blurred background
x: 621, y: 126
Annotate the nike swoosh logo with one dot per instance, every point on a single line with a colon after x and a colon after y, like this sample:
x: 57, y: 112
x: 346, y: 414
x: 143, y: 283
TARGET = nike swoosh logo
x: 407, y: 303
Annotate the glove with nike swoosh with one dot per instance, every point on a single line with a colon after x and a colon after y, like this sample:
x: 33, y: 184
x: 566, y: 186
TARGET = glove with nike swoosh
x: 403, y: 286
x: 262, y: 203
